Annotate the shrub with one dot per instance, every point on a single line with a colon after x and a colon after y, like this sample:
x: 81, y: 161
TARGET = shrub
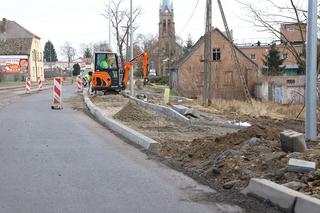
x: 76, y: 70
x: 162, y: 80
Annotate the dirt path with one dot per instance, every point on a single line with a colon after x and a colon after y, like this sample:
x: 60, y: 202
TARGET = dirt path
x: 221, y: 157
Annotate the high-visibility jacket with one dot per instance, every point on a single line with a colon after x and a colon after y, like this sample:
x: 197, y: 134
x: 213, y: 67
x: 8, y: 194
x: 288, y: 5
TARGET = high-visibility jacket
x: 104, y: 64
x: 88, y: 77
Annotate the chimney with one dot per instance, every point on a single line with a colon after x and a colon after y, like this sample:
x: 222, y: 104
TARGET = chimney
x: 4, y: 25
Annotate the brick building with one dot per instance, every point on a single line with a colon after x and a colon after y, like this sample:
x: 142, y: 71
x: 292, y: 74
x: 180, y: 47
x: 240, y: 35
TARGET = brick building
x: 225, y: 76
x: 164, y: 54
x: 21, y: 53
x: 288, y: 32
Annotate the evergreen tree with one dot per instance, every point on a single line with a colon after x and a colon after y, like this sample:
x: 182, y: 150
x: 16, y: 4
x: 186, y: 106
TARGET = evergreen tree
x: 87, y: 53
x: 49, y: 54
x: 76, y: 69
x: 189, y: 44
x: 273, y: 62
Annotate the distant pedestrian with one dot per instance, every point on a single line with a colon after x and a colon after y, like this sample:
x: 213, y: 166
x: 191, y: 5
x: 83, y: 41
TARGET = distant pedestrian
x: 88, y: 78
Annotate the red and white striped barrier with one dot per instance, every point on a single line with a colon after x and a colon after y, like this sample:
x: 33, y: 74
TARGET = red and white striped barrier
x: 28, y: 85
x: 40, y: 84
x: 79, y: 83
x: 57, y: 94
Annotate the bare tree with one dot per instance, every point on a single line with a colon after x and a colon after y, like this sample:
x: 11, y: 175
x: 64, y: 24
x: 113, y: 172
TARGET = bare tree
x: 101, y: 46
x: 68, y: 51
x: 146, y: 41
x: 279, y: 12
x: 120, y: 20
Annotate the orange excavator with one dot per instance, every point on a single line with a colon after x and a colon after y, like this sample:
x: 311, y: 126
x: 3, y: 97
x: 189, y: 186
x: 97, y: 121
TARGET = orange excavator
x: 107, y: 75
x: 145, y: 67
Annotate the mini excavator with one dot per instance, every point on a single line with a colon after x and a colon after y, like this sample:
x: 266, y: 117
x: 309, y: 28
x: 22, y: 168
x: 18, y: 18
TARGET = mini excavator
x: 108, y: 76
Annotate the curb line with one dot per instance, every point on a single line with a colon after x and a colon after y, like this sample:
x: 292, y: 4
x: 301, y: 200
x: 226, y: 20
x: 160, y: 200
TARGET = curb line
x: 162, y: 109
x: 285, y: 198
x: 179, y: 117
x: 135, y: 137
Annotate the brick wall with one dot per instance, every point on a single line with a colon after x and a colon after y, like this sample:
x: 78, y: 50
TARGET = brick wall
x: 225, y: 76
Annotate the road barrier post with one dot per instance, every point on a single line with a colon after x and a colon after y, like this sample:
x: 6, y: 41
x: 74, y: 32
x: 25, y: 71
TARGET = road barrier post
x: 57, y: 94
x: 79, y: 83
x: 28, y: 85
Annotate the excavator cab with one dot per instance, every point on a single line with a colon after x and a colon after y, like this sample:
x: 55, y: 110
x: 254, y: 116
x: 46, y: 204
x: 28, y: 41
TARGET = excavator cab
x: 106, y: 75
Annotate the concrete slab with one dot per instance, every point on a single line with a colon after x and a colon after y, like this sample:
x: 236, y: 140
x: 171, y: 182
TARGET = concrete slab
x: 307, y: 204
x: 292, y: 141
x: 285, y: 198
x: 302, y: 166
x: 278, y: 195
x: 180, y: 108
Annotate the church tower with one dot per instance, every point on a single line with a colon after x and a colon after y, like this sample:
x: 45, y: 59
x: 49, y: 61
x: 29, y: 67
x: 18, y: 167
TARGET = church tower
x: 164, y: 55
x: 166, y: 23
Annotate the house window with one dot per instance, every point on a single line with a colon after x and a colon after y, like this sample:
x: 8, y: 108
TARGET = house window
x: 290, y: 29
x: 253, y: 56
x: 301, y: 55
x: 285, y: 56
x: 228, y: 78
x: 164, y: 26
x: 291, y: 81
x: 216, y: 54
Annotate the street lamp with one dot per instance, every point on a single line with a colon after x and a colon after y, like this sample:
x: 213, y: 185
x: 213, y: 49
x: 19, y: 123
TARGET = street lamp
x: 131, y: 51
x: 267, y: 54
x: 311, y: 74
x: 35, y: 62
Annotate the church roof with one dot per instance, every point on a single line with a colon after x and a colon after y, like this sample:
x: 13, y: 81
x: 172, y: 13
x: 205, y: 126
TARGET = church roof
x: 166, y: 5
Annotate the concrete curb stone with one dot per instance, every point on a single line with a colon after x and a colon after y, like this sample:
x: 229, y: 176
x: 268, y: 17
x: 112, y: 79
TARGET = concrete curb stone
x: 130, y: 134
x: 285, y: 198
x: 163, y: 109
x: 181, y: 118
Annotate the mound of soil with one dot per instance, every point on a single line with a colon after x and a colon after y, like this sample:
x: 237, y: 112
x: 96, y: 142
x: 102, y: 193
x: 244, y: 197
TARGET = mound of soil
x: 110, y: 100
x: 132, y: 112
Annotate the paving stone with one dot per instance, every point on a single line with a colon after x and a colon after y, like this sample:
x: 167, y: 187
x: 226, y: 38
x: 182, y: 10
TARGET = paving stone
x: 180, y: 108
x: 292, y: 141
x: 301, y: 166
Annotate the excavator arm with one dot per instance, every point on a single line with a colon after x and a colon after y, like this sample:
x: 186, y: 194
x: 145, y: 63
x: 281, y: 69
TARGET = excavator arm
x: 142, y: 57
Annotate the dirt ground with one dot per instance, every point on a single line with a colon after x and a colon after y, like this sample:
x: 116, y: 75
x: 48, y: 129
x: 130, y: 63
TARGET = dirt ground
x: 224, y: 158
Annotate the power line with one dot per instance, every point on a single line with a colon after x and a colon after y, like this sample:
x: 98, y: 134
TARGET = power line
x: 194, y: 10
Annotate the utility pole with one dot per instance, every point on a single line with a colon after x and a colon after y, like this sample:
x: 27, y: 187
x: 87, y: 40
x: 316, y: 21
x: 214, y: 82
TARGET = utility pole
x: 131, y: 52
x: 207, y: 87
x: 110, y: 17
x: 311, y: 75
x: 235, y: 57
x: 35, y: 62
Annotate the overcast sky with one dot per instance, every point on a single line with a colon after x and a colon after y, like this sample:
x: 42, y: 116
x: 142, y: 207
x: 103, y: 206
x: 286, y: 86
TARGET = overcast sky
x: 80, y: 21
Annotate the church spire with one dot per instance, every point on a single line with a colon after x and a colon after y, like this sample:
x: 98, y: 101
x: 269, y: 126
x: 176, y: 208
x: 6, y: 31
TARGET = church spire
x: 166, y: 5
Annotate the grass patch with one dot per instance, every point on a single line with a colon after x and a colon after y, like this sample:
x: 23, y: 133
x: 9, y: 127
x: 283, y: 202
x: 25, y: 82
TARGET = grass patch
x: 258, y: 109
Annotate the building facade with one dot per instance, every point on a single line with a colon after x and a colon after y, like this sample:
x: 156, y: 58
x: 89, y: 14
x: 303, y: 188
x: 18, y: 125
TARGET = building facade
x: 21, y: 53
x: 225, y: 75
x: 289, y: 33
x: 165, y: 53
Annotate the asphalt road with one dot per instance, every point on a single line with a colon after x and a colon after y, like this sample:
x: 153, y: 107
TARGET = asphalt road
x: 62, y: 161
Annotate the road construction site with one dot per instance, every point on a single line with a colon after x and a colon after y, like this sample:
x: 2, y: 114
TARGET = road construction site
x: 222, y: 149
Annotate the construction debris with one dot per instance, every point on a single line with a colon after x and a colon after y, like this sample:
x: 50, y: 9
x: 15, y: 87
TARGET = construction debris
x: 295, y: 185
x: 292, y: 141
x: 222, y: 157
x: 301, y: 166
